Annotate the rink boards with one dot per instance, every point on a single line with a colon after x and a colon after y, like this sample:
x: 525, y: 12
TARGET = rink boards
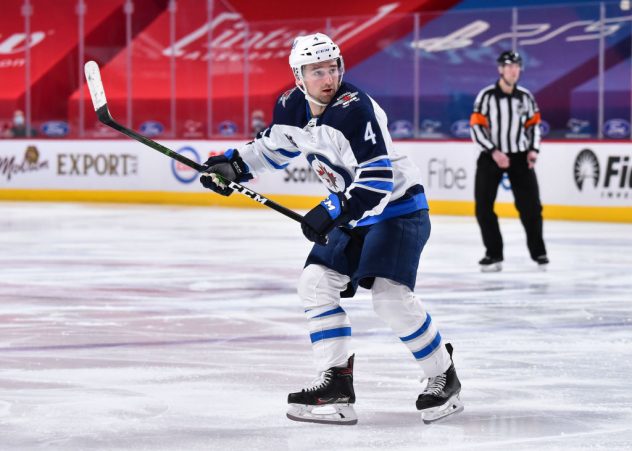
x: 578, y: 180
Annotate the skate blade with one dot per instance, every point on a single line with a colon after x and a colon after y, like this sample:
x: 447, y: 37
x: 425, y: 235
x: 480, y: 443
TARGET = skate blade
x: 342, y: 414
x: 543, y: 267
x: 495, y: 267
x: 452, y: 407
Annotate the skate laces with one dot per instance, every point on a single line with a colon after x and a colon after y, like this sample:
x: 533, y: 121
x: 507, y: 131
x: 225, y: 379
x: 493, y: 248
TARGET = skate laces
x: 435, y: 385
x: 323, y: 379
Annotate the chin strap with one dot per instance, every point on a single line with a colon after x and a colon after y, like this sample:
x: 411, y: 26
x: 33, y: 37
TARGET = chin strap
x: 309, y: 97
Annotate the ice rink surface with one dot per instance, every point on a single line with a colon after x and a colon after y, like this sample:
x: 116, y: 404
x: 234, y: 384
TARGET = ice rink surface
x: 177, y: 328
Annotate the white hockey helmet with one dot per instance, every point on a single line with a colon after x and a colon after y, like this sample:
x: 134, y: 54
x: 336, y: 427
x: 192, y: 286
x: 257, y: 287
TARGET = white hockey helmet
x: 313, y: 48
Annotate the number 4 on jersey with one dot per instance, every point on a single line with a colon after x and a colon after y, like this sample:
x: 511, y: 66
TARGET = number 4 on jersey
x: 368, y: 133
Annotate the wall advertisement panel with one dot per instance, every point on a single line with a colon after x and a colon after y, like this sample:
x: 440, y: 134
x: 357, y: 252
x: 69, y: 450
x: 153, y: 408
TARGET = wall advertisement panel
x: 586, y: 174
x: 581, y: 180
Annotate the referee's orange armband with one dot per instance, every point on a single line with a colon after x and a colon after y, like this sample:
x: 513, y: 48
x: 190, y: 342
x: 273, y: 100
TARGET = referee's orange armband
x: 536, y: 119
x: 478, y: 119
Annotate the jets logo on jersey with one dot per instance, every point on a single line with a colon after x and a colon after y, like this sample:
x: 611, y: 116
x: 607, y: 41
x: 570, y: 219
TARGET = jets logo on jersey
x: 286, y: 95
x: 335, y: 178
x: 346, y: 99
x: 326, y: 176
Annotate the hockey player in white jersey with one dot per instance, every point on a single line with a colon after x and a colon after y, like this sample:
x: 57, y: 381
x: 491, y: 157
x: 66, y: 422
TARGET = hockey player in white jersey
x: 368, y: 232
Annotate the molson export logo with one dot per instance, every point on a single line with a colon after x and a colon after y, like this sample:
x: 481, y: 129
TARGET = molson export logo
x: 30, y: 163
x: 229, y: 34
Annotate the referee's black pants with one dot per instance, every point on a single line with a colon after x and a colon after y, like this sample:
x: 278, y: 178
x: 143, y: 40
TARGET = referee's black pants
x: 524, y: 185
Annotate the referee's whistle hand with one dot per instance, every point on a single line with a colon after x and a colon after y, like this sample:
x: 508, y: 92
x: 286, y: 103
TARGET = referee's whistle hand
x: 501, y: 159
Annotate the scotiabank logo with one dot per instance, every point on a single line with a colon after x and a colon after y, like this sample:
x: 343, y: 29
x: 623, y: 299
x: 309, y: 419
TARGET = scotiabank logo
x: 300, y: 175
x: 101, y: 164
x: 613, y: 182
x: 30, y: 163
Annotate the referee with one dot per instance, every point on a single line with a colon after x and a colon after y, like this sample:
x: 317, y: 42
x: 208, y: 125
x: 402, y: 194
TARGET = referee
x: 504, y: 125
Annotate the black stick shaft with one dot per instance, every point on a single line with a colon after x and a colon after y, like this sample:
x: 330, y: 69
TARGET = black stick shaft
x: 105, y: 117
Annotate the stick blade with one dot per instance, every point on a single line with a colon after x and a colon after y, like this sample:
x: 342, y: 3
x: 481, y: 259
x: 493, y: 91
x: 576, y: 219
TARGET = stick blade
x: 95, y: 85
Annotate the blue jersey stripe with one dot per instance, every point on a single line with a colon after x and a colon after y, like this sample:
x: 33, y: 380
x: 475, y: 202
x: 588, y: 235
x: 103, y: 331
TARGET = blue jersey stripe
x: 386, y: 186
x: 288, y: 153
x: 383, y: 163
x: 424, y: 327
x: 392, y: 210
x: 330, y: 312
x: 427, y: 350
x: 330, y: 333
x: 274, y: 164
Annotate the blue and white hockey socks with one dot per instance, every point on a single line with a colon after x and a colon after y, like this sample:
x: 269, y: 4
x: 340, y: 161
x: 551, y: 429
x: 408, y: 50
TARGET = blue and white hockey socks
x: 329, y: 326
x: 405, y: 314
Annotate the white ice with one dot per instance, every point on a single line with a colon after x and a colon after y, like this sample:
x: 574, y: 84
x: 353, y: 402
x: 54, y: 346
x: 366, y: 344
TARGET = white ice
x: 179, y: 328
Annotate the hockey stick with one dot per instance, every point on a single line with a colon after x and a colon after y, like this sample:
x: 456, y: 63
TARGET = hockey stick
x: 95, y: 85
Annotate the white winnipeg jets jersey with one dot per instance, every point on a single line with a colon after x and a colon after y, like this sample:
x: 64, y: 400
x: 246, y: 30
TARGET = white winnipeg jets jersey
x: 348, y: 146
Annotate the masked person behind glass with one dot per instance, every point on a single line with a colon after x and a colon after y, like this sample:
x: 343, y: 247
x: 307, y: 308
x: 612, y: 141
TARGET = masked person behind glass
x: 18, y: 128
x: 257, y: 122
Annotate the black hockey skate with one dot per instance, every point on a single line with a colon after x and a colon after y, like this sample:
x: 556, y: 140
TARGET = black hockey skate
x: 491, y: 264
x: 329, y: 400
x: 543, y: 262
x: 440, y: 398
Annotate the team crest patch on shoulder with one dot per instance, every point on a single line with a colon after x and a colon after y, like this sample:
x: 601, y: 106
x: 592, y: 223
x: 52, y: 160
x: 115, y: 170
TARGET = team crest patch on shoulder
x: 286, y: 95
x: 346, y: 99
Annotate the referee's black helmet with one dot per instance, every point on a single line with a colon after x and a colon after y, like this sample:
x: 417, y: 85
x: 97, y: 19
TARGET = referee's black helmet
x: 509, y: 57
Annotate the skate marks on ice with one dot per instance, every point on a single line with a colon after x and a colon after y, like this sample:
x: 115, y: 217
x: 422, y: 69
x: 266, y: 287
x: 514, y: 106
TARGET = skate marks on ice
x: 128, y: 327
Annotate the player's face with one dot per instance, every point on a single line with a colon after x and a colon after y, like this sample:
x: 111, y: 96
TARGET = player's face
x: 510, y: 73
x: 322, y: 80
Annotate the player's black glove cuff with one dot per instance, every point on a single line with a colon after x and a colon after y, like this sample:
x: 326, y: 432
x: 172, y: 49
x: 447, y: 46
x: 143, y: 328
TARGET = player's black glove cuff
x: 220, y: 169
x: 322, y: 219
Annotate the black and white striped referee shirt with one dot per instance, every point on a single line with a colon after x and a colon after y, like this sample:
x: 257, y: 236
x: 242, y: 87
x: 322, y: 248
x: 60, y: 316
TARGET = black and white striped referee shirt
x: 507, y: 122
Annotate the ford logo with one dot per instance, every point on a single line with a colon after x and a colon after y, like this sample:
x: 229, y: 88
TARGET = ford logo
x: 227, y: 128
x: 461, y: 129
x: 545, y: 128
x: 617, y: 128
x: 151, y: 128
x: 55, y: 128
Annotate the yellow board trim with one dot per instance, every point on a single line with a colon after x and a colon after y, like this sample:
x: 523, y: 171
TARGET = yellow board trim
x: 294, y: 202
